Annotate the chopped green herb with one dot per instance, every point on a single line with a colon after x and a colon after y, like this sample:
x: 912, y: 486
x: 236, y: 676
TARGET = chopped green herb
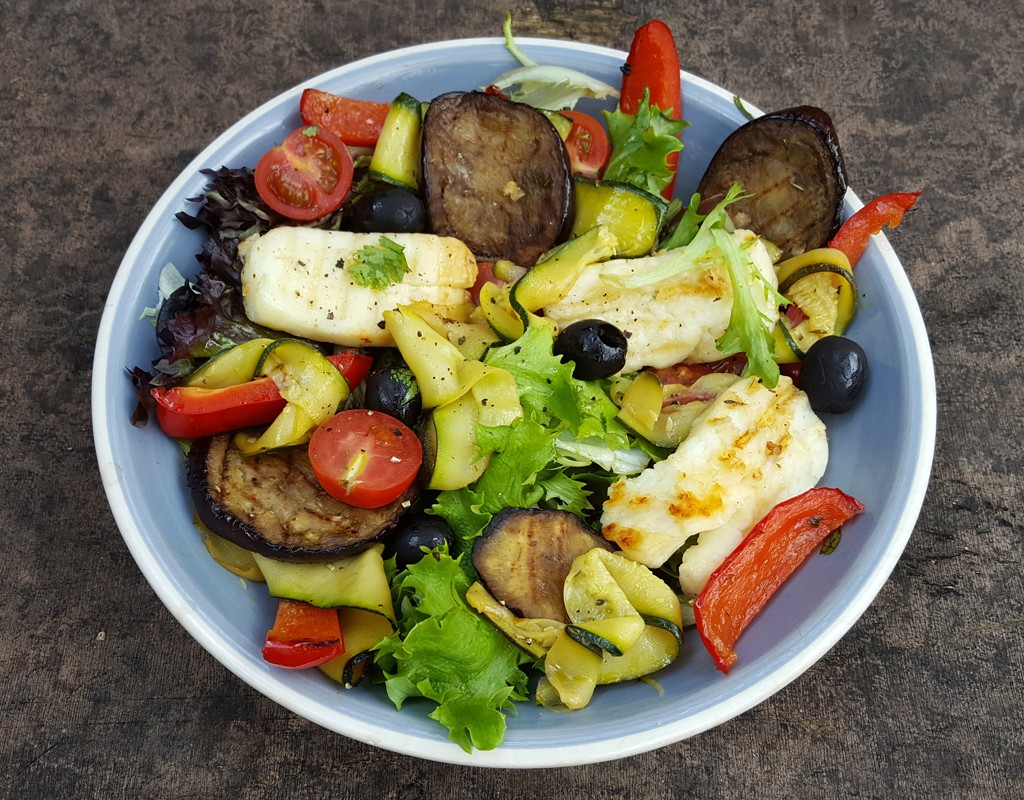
x: 379, y: 266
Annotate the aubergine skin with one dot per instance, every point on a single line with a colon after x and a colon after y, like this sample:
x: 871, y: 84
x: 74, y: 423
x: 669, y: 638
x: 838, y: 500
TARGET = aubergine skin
x: 791, y: 163
x: 496, y: 175
x: 524, y: 556
x: 272, y: 504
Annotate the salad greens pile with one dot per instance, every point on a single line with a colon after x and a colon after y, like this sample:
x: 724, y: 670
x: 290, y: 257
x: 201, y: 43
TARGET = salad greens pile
x: 446, y: 652
x: 564, y: 451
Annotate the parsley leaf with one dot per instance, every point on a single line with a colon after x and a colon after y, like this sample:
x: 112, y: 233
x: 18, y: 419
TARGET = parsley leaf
x: 379, y: 266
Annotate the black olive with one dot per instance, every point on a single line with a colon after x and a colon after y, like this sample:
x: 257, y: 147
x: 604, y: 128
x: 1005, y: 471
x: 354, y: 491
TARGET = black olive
x: 414, y: 532
x: 597, y: 348
x: 394, y: 391
x: 833, y: 374
x: 389, y: 209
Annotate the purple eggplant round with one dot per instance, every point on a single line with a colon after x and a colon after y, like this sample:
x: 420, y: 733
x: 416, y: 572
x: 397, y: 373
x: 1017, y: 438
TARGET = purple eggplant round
x: 524, y: 556
x: 272, y: 504
x: 496, y: 175
x: 791, y: 165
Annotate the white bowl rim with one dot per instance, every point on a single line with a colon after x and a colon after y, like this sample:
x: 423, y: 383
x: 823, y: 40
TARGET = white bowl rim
x: 507, y: 756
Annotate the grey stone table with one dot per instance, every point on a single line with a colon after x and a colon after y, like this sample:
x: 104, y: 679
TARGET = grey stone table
x: 103, y: 695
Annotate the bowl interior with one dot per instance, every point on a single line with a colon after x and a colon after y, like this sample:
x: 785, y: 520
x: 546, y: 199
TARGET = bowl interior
x: 881, y: 454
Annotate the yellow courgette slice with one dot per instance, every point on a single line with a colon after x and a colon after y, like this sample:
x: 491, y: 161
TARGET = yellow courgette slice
x: 821, y: 283
x: 633, y: 215
x: 357, y: 581
x: 361, y: 631
x: 230, y: 367
x: 396, y: 157
x: 313, y: 387
x: 535, y: 636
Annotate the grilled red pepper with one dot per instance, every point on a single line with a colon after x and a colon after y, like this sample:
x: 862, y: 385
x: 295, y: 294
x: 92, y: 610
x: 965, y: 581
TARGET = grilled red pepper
x: 753, y: 572
x: 188, y: 412
x: 653, y: 63
x: 356, y: 122
x: 303, y: 636
x: 853, y: 237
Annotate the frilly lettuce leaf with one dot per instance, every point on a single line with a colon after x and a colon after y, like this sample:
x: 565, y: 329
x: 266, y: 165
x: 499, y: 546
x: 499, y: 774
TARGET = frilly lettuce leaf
x: 641, y: 144
x: 445, y: 652
x: 749, y: 331
x: 549, y: 87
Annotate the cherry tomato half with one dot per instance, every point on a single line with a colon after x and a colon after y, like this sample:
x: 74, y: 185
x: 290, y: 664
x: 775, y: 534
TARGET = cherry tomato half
x: 587, y: 144
x: 307, y: 176
x: 365, y: 458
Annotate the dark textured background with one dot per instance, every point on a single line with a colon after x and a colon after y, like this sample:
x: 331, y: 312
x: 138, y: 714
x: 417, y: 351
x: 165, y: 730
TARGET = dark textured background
x: 102, y: 694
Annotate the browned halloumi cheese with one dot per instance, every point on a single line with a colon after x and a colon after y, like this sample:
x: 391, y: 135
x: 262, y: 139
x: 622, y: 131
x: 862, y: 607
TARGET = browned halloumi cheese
x: 752, y: 448
x: 677, y: 319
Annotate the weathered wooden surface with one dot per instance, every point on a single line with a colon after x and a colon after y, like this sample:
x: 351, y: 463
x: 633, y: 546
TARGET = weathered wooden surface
x: 102, y: 694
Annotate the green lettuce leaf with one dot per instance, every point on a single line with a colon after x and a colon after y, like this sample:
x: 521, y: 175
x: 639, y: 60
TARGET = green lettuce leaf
x: 568, y: 425
x: 641, y: 144
x: 446, y: 653
x: 519, y: 452
x: 549, y: 87
x: 749, y: 330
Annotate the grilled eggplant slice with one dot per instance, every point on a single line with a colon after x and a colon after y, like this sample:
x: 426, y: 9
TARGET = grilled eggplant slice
x: 496, y: 175
x: 524, y: 555
x: 790, y: 161
x: 272, y: 504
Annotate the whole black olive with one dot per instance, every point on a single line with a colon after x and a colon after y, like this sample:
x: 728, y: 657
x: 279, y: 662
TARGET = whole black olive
x: 394, y: 391
x: 389, y: 209
x: 833, y: 375
x: 597, y: 348
x: 414, y: 532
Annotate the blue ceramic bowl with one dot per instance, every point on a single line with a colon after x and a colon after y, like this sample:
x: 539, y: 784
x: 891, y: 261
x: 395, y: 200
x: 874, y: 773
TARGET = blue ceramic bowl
x: 881, y: 453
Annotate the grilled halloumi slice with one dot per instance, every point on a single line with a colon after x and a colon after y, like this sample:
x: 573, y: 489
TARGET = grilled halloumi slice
x: 676, y: 319
x: 751, y: 449
x: 294, y: 279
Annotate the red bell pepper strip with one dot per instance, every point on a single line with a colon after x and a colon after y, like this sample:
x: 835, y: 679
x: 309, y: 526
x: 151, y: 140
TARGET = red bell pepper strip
x: 653, y: 63
x: 190, y: 412
x: 853, y: 237
x: 355, y: 122
x: 303, y: 636
x: 753, y: 572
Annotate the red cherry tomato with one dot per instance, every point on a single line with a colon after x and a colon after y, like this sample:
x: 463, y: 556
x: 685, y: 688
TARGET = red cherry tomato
x: 365, y: 458
x: 587, y: 144
x: 307, y: 176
